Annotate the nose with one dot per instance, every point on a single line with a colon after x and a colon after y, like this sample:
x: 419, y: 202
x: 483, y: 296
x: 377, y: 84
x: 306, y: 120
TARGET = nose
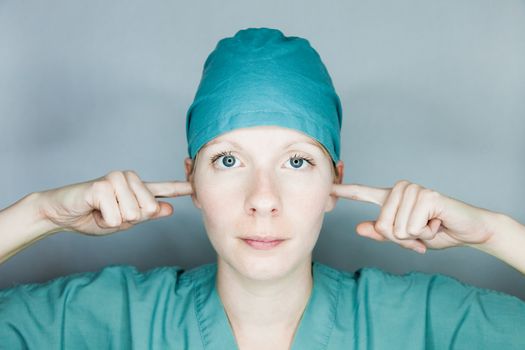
x: 263, y: 198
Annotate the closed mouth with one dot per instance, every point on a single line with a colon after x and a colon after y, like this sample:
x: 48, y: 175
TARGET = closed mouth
x: 263, y: 238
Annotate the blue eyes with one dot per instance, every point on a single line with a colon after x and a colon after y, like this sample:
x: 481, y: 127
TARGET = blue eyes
x: 297, y: 162
x: 227, y: 160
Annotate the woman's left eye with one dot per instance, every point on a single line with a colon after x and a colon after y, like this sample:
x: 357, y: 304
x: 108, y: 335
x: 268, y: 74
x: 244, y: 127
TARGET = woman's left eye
x: 297, y: 161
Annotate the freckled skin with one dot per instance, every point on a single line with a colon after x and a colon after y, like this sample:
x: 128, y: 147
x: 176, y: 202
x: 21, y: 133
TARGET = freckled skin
x: 263, y: 192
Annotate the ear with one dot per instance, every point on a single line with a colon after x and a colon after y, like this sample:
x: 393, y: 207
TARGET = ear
x: 332, y: 200
x: 188, y: 162
x: 187, y: 167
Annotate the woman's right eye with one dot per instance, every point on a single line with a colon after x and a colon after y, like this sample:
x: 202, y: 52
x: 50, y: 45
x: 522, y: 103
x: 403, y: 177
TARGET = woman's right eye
x: 224, y: 160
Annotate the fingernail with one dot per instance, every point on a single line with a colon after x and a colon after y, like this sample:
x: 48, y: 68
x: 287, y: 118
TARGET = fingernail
x: 420, y: 250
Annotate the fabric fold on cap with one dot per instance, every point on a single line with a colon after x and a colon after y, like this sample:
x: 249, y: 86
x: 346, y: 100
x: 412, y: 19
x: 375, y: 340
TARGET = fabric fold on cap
x: 262, y: 77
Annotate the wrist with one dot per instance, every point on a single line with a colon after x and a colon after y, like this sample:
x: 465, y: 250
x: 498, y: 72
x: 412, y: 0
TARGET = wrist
x: 506, y: 242
x: 503, y: 228
x: 22, y: 224
x: 40, y: 225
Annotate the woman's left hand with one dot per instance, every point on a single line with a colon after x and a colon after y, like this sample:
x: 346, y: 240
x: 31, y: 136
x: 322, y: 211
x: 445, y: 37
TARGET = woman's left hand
x: 417, y: 217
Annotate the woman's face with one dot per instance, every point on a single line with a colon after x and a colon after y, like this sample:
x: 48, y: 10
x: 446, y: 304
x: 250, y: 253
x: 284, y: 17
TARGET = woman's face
x: 263, y: 181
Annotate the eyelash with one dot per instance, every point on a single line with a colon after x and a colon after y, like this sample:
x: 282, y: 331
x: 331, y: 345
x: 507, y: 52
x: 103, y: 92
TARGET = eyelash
x: 216, y: 156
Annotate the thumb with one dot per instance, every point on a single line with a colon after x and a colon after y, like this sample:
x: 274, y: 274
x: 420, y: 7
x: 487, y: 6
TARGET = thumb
x: 366, y: 229
x: 165, y: 210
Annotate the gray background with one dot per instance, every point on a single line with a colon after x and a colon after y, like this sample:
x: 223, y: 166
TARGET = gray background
x: 432, y: 92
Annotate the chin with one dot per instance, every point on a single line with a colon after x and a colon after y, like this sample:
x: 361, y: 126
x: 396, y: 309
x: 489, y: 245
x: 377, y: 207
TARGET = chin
x: 259, y: 267
x: 262, y: 265
x: 262, y: 269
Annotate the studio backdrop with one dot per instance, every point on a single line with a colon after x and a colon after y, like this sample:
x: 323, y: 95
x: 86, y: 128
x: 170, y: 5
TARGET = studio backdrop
x: 432, y: 92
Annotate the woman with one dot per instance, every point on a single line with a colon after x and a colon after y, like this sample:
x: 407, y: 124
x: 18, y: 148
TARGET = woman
x: 263, y: 168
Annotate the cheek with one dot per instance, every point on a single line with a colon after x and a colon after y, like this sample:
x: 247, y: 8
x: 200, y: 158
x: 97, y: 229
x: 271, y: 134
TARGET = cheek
x: 303, y: 200
x: 219, y: 204
x: 307, y: 192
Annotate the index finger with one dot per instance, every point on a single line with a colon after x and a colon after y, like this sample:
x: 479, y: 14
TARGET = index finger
x: 169, y: 188
x: 361, y: 193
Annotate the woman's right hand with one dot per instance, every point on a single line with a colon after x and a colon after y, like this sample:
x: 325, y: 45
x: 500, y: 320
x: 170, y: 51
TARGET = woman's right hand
x: 114, y: 202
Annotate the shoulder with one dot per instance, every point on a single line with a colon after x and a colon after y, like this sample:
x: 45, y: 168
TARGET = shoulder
x: 118, y: 304
x: 437, y: 309
x: 437, y: 295
x: 108, y: 277
x: 99, y: 304
x: 433, y: 287
x: 412, y: 281
x: 113, y: 284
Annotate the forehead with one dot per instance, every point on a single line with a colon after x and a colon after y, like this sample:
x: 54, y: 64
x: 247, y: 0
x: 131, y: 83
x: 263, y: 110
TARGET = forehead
x: 264, y: 136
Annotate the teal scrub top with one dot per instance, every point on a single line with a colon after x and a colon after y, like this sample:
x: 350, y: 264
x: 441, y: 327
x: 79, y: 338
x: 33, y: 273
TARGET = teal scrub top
x: 119, y: 307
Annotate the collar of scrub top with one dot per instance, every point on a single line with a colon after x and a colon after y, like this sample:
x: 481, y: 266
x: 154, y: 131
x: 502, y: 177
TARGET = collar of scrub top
x: 315, y: 325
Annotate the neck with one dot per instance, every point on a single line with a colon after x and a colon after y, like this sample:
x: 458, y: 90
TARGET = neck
x: 256, y: 307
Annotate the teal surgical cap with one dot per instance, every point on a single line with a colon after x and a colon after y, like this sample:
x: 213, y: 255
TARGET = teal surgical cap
x: 261, y: 77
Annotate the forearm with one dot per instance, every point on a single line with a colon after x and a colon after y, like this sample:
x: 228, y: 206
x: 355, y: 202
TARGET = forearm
x: 507, y: 242
x: 22, y: 224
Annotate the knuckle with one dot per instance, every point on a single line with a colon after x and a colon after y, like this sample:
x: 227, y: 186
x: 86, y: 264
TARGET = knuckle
x: 399, y: 234
x: 101, y: 186
x: 429, y: 195
x: 413, y: 187
x: 425, y: 192
x: 115, y: 175
x: 132, y: 174
x: 133, y: 216
x: 424, y: 189
x: 402, y: 183
x: 381, y: 227
x: 412, y: 231
x: 398, y: 190
x: 433, y: 195
x: 114, y: 222
x: 151, y: 209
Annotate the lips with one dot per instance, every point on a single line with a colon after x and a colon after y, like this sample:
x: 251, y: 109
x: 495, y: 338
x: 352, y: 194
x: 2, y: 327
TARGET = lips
x: 263, y: 238
x: 261, y: 242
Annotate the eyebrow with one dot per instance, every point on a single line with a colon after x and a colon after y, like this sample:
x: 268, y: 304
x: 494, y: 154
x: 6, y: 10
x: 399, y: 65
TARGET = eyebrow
x: 214, y: 142
x: 306, y: 141
x: 236, y: 145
